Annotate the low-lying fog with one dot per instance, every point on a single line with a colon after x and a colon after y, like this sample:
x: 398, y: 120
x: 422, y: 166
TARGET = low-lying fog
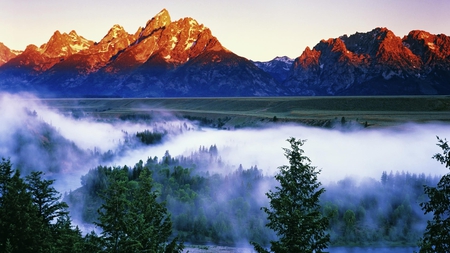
x: 26, y: 137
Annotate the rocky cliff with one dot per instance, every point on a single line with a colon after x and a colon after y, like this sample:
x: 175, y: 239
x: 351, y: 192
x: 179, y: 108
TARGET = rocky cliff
x: 164, y: 58
x: 168, y: 58
x: 374, y: 63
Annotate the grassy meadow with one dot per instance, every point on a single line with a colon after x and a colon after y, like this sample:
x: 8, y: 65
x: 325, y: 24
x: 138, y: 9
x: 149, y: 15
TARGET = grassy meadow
x: 242, y: 112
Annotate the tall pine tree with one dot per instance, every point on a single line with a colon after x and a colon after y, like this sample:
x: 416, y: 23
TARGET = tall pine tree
x: 294, y: 212
x: 32, y: 219
x: 436, y: 237
x: 19, y: 223
x: 131, y: 218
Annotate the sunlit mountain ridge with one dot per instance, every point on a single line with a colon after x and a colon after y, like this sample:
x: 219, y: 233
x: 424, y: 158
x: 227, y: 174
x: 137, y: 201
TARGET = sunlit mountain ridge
x: 182, y: 58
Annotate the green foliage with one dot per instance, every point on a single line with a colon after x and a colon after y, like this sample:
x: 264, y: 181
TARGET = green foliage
x: 205, y: 208
x: 436, y: 237
x: 294, y: 212
x: 31, y: 217
x: 45, y: 197
x: 131, y: 218
x: 224, y: 208
x: 18, y: 216
x: 384, y: 213
x: 147, y: 137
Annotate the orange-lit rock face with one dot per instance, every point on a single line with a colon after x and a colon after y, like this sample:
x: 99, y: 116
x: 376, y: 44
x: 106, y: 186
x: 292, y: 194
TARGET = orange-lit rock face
x: 6, y: 54
x: 432, y: 49
x: 308, y: 59
x: 393, y: 53
x: 172, y: 42
x: 336, y: 65
x: 64, y: 45
x: 161, y: 20
x: 182, y: 57
x: 57, y: 49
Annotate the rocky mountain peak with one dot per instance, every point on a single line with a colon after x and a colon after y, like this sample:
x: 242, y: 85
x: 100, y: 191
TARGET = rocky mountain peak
x: 278, y: 67
x: 183, y: 58
x: 73, y: 34
x: 6, y: 54
x: 162, y: 19
x: 374, y: 62
x: 283, y: 59
x: 336, y: 45
x: 116, y: 32
x: 420, y: 35
x: 432, y: 49
x: 307, y: 59
x: 181, y: 40
x: 64, y: 45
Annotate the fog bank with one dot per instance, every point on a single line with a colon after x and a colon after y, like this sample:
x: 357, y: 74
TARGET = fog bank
x: 39, y: 138
x: 359, y: 153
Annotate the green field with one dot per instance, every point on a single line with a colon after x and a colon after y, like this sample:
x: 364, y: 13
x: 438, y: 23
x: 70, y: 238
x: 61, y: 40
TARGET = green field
x: 375, y: 110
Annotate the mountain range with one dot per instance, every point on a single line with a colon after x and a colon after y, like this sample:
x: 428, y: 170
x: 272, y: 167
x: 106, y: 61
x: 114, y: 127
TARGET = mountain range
x: 183, y: 59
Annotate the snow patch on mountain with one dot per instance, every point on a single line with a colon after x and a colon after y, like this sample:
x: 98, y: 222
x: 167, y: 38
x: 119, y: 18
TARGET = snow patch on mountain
x: 278, y: 67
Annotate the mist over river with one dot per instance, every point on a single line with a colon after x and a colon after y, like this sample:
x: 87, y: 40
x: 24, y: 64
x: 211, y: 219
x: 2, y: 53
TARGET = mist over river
x: 351, y: 161
x: 221, y: 249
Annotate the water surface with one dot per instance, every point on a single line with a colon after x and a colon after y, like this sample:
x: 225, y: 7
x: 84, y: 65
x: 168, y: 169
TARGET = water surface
x: 224, y: 249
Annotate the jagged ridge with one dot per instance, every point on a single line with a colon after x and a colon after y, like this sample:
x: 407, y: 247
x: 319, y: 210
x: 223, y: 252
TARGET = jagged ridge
x: 183, y: 58
x: 151, y: 62
x: 374, y: 63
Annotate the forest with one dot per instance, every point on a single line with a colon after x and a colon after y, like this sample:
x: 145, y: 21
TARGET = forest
x: 211, y: 208
x: 225, y: 209
x: 208, y: 195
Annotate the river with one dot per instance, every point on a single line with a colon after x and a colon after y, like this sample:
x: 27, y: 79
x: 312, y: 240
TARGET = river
x: 224, y: 249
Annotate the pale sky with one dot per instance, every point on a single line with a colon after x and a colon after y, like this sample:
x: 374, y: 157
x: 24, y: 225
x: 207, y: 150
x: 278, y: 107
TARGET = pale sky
x: 255, y: 29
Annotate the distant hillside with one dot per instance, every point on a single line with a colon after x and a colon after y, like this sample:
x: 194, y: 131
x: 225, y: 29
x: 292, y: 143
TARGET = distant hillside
x: 278, y: 67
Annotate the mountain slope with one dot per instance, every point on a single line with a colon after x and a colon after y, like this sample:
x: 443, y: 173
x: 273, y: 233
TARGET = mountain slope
x: 164, y: 58
x: 6, y: 54
x: 373, y: 63
x: 168, y: 58
x: 278, y: 67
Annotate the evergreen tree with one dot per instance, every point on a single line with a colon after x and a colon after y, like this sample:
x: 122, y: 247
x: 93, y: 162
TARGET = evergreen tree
x: 113, y: 213
x: 31, y: 217
x: 50, y: 211
x: 19, y: 223
x: 66, y: 238
x: 436, y: 237
x: 92, y: 243
x: 153, y: 226
x: 294, y: 212
x: 131, y: 218
x: 45, y: 197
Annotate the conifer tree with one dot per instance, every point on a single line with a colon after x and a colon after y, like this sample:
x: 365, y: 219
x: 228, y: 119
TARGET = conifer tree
x: 32, y: 219
x: 45, y: 197
x: 19, y: 223
x: 131, y: 218
x: 436, y: 237
x: 294, y: 212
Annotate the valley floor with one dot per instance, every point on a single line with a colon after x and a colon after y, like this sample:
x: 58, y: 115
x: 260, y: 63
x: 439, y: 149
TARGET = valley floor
x: 230, y: 113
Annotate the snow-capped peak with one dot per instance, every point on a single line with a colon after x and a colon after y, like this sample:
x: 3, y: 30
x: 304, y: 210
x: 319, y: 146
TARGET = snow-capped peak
x: 284, y: 59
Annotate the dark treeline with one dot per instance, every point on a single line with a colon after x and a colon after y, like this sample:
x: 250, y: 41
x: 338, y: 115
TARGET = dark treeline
x: 204, y: 207
x: 374, y: 212
x: 224, y: 208
x: 148, y: 137
x: 32, y: 217
x: 35, y: 136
